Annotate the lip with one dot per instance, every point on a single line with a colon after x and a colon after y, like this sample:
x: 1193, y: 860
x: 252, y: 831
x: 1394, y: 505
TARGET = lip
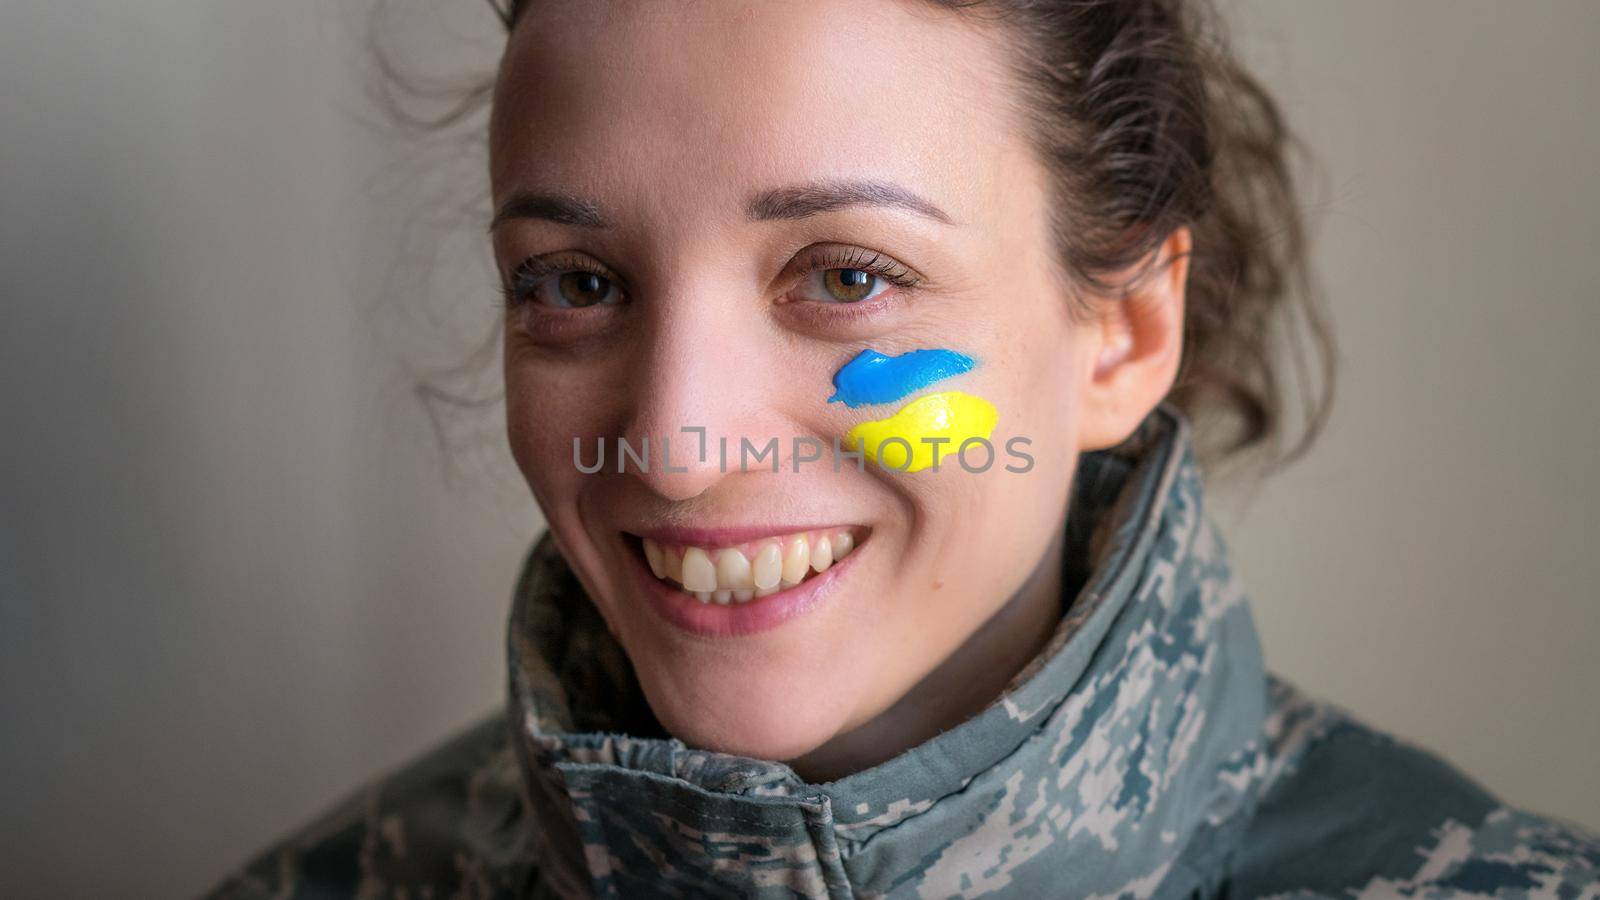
x: 728, y: 535
x: 714, y: 620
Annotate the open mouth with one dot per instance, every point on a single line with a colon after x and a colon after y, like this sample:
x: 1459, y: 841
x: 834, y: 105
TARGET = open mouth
x: 739, y: 573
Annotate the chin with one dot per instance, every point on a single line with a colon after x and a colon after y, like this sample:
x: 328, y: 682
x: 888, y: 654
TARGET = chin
x: 772, y: 675
x: 767, y: 714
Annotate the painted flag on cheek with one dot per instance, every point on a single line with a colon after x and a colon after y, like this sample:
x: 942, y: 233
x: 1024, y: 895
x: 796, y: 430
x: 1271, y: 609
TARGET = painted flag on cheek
x: 925, y: 430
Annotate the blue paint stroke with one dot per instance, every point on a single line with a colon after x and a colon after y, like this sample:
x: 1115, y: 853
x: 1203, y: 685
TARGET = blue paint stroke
x: 874, y: 378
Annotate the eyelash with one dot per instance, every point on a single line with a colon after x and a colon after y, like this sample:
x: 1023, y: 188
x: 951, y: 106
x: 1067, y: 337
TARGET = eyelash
x: 870, y: 261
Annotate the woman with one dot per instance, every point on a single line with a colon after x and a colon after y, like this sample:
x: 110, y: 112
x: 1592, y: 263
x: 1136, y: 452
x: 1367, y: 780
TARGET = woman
x: 851, y: 352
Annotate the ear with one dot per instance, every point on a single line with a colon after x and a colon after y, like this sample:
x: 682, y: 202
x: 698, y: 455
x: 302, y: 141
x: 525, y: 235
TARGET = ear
x: 1134, y: 348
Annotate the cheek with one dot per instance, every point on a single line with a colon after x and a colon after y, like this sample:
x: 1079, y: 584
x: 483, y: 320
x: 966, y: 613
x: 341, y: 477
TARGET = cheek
x: 545, y: 410
x: 1037, y: 385
x: 992, y: 526
x: 984, y: 533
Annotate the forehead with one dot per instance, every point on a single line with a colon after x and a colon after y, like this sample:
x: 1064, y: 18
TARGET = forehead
x: 684, y: 107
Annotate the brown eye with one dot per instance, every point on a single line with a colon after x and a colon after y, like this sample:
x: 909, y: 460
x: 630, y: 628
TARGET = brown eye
x: 578, y: 289
x: 848, y: 285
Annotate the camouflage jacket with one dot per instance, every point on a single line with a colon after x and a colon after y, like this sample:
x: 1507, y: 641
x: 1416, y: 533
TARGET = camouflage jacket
x: 1146, y: 752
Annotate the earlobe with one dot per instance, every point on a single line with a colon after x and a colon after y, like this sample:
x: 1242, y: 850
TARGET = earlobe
x: 1136, y: 349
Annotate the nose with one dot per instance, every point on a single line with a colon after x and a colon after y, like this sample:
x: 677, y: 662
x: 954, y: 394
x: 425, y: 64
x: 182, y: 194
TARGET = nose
x: 702, y: 381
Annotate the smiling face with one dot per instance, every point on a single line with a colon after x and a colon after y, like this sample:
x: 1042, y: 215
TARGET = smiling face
x: 706, y: 211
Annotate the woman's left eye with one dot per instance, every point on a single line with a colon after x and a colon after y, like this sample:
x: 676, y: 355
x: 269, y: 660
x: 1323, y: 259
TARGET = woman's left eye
x: 845, y: 285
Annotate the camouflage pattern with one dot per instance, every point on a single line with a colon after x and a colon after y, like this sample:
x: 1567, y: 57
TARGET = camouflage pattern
x: 1145, y: 753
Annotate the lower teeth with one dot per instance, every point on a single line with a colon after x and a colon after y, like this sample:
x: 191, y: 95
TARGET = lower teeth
x: 725, y: 597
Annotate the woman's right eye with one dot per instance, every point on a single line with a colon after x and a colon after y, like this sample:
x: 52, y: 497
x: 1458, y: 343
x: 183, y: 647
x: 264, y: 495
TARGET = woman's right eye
x: 558, y: 286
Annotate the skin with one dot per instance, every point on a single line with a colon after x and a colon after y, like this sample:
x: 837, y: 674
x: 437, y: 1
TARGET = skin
x: 724, y: 323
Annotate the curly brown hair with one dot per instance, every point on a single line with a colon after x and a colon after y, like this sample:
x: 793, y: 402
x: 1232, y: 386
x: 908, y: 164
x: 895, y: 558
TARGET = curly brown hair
x: 1148, y: 122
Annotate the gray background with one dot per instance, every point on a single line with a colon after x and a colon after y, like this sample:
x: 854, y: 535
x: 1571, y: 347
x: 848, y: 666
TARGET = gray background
x: 238, y: 574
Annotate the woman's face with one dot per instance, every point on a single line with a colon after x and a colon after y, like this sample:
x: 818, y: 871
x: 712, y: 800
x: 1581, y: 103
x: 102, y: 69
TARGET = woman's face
x: 725, y: 203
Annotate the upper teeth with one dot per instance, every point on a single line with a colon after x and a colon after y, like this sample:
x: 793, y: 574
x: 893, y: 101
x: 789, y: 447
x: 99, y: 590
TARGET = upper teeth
x: 750, y: 570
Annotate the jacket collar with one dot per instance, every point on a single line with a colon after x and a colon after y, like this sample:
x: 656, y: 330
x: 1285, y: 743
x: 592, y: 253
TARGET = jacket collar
x: 1114, y: 758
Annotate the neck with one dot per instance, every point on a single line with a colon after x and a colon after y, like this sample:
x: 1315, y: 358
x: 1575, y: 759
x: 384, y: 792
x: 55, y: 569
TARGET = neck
x: 961, y: 686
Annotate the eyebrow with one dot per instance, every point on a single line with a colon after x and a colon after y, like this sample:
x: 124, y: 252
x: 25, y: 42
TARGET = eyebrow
x: 558, y: 208
x: 800, y: 201
x: 792, y: 202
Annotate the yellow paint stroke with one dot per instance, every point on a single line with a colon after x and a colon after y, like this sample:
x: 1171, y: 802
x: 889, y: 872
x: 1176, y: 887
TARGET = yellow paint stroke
x: 950, y: 414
